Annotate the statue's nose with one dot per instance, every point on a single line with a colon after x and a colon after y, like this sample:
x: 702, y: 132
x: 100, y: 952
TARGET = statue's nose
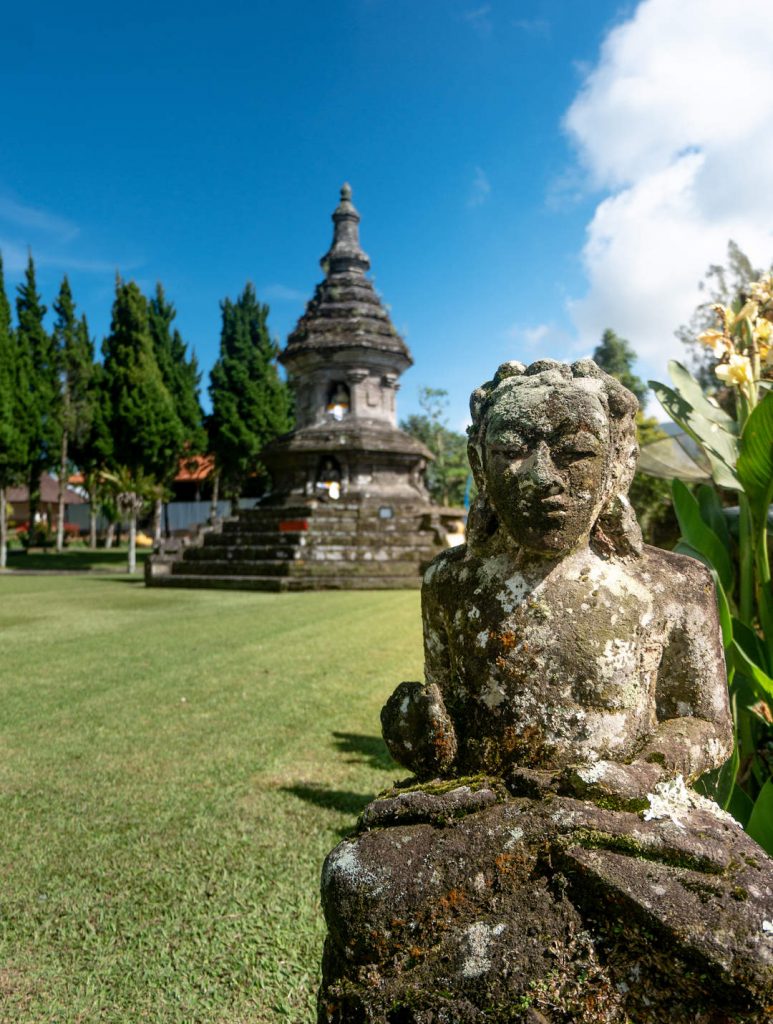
x: 543, y: 471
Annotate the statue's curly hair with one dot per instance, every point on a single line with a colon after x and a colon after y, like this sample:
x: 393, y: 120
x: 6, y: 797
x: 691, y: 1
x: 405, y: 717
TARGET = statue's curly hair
x: 616, y: 529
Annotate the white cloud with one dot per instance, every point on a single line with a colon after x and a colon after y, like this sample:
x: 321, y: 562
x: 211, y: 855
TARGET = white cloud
x: 51, y: 238
x: 20, y: 215
x: 480, y: 19
x: 529, y: 342
x: 675, y: 124
x: 533, y: 26
x: 480, y: 189
x: 528, y: 335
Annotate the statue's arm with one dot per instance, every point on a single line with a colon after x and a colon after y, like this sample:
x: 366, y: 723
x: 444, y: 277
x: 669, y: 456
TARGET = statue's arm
x: 416, y: 725
x: 694, y: 732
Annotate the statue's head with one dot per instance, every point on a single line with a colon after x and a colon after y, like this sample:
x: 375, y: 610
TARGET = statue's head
x: 553, y: 450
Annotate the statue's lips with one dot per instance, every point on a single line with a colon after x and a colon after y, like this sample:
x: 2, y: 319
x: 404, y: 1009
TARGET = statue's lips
x: 553, y: 508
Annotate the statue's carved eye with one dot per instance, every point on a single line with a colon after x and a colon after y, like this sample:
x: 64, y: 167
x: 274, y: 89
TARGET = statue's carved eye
x: 509, y: 451
x: 568, y: 456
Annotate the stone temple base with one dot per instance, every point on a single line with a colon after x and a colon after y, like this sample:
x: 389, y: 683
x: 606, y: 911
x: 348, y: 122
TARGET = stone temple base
x: 468, y: 905
x: 314, y: 546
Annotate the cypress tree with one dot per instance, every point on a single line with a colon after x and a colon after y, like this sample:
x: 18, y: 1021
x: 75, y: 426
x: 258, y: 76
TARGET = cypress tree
x: 250, y: 403
x: 181, y: 377
x: 650, y: 497
x: 13, y: 394
x: 146, y: 433
x: 40, y: 412
x: 180, y: 373
x: 75, y: 357
x: 616, y: 355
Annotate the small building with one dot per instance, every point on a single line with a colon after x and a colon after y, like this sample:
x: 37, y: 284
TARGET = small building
x: 348, y: 506
x: 19, y: 500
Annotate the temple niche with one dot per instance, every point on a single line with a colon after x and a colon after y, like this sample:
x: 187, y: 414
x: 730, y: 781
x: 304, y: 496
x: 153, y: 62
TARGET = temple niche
x: 348, y: 506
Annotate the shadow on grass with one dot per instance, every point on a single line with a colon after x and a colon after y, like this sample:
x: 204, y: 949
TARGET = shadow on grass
x: 370, y: 750
x: 342, y: 800
x: 72, y: 560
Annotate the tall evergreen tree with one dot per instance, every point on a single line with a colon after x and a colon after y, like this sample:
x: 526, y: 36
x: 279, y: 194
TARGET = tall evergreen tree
x: 75, y: 357
x: 250, y: 403
x: 650, y: 497
x: 38, y: 359
x: 180, y: 373
x: 616, y: 355
x: 13, y: 388
x: 182, y: 378
x: 146, y: 433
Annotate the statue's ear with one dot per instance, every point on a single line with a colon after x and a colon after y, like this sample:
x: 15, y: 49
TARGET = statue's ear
x: 476, y: 464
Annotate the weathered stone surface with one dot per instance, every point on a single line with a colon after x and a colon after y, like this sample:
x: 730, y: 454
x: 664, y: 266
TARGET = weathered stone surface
x: 556, y: 906
x: 557, y: 867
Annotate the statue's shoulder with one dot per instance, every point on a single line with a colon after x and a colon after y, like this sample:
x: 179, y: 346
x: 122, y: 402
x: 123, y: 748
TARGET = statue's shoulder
x: 445, y: 568
x: 676, y: 575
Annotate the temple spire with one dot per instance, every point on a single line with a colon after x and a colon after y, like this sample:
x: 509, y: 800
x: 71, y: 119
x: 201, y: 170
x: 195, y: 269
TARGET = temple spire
x: 345, y: 254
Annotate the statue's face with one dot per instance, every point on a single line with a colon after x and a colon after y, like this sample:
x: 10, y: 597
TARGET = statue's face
x: 545, y: 463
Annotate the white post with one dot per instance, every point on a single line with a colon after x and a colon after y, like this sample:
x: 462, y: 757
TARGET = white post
x: 3, y: 530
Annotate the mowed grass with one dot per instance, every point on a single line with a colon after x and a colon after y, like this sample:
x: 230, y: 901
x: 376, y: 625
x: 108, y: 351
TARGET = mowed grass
x: 174, y: 766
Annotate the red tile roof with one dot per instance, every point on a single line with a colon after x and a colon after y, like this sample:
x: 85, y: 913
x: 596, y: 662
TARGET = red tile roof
x: 49, y: 493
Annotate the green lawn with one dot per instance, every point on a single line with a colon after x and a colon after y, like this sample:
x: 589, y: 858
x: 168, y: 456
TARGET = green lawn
x: 174, y: 766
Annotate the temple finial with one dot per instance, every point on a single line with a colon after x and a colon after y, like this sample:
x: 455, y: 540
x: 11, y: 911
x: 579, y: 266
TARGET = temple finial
x: 345, y: 253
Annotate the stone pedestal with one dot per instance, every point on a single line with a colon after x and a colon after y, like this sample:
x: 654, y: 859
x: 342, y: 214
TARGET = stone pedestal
x: 469, y: 905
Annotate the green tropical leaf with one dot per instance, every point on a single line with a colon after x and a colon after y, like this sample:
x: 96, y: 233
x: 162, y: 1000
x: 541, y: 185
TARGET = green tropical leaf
x: 763, y: 684
x: 721, y: 447
x: 750, y: 644
x: 760, y: 824
x: 740, y: 805
x: 755, y: 459
x: 700, y: 536
x: 713, y: 514
x: 687, y: 386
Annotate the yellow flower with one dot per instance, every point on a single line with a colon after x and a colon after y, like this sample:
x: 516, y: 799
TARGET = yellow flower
x: 762, y: 290
x: 726, y: 316
x: 762, y: 331
x: 737, y: 371
x: 749, y: 309
x: 717, y: 341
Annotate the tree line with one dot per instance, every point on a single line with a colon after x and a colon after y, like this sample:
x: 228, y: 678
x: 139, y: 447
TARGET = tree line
x: 127, y: 419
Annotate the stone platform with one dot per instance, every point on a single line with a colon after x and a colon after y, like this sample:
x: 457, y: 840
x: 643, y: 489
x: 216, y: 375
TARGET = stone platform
x: 313, y: 546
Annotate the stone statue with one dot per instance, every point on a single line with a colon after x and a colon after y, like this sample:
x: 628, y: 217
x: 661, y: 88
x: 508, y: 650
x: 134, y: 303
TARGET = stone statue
x: 554, y: 641
x: 548, y: 863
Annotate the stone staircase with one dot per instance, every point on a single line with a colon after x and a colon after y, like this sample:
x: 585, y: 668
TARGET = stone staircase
x: 315, y: 546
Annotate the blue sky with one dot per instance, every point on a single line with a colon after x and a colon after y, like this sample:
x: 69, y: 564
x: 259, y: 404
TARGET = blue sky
x: 528, y: 171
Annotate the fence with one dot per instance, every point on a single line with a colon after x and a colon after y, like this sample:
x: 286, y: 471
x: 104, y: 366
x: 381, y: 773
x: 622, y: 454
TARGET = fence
x: 178, y: 515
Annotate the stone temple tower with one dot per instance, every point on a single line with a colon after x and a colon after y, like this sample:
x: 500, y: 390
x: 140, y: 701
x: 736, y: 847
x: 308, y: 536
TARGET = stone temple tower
x: 347, y: 507
x: 344, y: 360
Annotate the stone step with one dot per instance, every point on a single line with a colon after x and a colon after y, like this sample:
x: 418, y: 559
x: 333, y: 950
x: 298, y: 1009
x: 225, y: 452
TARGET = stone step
x: 275, y: 584
x: 271, y: 552
x: 249, y: 537
x: 286, y: 567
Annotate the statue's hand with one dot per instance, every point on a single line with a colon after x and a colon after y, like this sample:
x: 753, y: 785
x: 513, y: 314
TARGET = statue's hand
x: 418, y: 730
x: 622, y: 786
